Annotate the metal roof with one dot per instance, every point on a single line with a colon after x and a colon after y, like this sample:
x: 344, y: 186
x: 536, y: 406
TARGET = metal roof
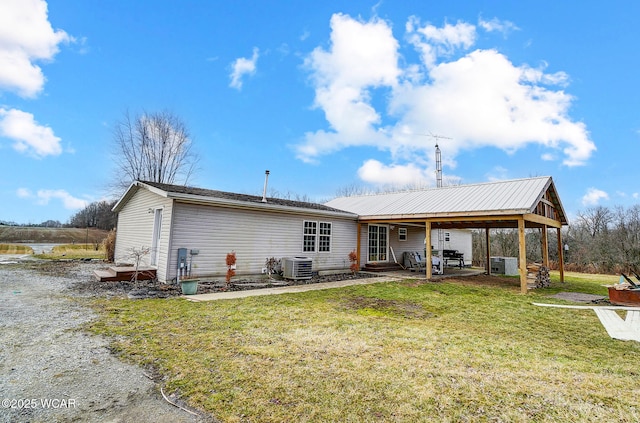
x: 492, y: 198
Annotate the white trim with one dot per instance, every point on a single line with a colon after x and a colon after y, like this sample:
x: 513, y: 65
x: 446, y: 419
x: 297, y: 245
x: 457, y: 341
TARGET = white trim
x: 317, y: 235
x: 386, y: 252
x: 157, y: 235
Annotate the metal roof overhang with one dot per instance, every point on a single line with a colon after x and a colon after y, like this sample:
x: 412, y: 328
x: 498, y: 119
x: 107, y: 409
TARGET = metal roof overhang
x: 474, y: 220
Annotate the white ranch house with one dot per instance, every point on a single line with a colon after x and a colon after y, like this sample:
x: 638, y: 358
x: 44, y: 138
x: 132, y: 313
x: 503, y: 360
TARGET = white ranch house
x: 209, y: 224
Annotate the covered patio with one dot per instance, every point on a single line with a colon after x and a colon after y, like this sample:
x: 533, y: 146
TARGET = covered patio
x: 522, y: 204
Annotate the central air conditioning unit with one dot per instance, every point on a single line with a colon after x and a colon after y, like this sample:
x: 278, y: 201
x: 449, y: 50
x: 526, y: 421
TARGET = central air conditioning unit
x: 296, y: 267
x: 504, y: 266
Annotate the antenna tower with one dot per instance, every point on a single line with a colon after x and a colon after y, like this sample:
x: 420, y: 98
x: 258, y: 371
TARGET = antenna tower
x: 438, y: 167
x: 438, y: 158
x: 439, y: 185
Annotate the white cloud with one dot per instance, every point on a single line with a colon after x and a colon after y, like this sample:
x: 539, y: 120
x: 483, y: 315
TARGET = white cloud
x: 23, y: 193
x: 434, y: 42
x: 70, y: 202
x: 498, y: 173
x: 26, y: 37
x: 593, y: 197
x: 377, y: 173
x: 496, y: 25
x: 482, y: 99
x: 44, y: 196
x: 362, y: 56
x: 479, y: 98
x: 29, y: 136
x: 241, y: 67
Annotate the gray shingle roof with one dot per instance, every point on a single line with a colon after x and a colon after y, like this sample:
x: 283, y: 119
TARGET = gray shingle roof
x: 243, y: 198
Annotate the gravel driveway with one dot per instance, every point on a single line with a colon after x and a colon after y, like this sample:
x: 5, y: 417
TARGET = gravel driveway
x: 52, y: 371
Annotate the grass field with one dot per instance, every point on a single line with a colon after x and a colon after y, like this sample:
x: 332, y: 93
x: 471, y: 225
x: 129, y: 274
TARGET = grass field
x: 67, y: 251
x: 14, y: 234
x: 15, y: 249
x: 405, y: 351
x: 74, y: 251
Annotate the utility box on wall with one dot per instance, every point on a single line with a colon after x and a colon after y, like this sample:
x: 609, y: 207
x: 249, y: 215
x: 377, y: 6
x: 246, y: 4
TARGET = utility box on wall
x: 504, y: 266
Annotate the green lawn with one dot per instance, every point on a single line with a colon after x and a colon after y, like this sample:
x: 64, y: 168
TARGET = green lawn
x: 405, y: 351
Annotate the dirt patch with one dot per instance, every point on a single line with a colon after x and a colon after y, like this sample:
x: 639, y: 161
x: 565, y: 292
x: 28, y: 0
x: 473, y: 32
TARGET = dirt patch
x: 578, y: 297
x: 405, y: 309
x: 51, y: 370
x: 472, y: 280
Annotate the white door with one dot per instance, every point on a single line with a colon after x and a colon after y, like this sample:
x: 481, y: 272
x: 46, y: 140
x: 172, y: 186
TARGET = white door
x: 155, y: 244
x: 378, y: 243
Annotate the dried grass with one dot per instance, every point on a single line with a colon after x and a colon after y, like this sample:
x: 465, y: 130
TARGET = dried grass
x: 386, y: 352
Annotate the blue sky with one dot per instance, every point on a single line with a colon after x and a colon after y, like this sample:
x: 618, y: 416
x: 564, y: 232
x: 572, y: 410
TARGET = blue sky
x: 323, y: 94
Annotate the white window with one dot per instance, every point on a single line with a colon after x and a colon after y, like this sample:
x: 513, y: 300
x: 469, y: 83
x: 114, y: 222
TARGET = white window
x: 316, y: 236
x: 309, y: 235
x: 402, y: 234
x: 447, y: 236
x: 324, y: 241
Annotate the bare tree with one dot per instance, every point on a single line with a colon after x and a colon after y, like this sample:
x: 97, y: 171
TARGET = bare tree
x: 95, y: 215
x: 153, y: 147
x: 596, y: 220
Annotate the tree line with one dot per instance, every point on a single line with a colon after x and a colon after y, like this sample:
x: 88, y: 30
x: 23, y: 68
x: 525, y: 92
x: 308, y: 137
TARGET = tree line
x: 599, y: 240
x: 96, y: 215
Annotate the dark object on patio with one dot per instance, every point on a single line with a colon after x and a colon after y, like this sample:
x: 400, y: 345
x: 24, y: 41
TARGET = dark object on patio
x: 413, y: 261
x: 453, y: 255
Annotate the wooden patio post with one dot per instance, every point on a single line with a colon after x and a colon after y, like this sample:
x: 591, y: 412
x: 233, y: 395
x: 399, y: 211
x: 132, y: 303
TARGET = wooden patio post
x: 427, y: 247
x: 487, y: 242
x: 545, y: 247
x: 522, y: 256
x: 560, y: 255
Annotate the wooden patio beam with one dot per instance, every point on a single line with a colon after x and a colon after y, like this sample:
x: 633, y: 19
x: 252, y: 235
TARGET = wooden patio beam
x: 522, y: 256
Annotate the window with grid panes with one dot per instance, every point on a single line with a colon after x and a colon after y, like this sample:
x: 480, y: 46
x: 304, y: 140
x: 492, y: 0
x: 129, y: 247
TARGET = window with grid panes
x: 324, y: 237
x: 310, y: 232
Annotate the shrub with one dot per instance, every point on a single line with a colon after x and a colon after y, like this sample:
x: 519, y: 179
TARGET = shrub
x: 353, y: 258
x: 231, y: 264
x: 110, y: 246
x: 272, y: 265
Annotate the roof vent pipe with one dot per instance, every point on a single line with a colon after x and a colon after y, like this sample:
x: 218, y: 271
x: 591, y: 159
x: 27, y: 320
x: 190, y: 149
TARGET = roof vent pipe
x: 264, y: 191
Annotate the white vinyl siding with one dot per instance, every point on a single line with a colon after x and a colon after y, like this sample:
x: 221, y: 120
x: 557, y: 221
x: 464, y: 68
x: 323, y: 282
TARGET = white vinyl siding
x: 135, y: 229
x: 255, y: 236
x: 460, y: 239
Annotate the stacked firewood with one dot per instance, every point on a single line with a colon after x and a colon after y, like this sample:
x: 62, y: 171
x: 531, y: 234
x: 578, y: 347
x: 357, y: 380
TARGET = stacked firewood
x: 538, y: 275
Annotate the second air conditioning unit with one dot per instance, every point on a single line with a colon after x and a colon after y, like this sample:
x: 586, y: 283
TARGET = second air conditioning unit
x: 296, y: 267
